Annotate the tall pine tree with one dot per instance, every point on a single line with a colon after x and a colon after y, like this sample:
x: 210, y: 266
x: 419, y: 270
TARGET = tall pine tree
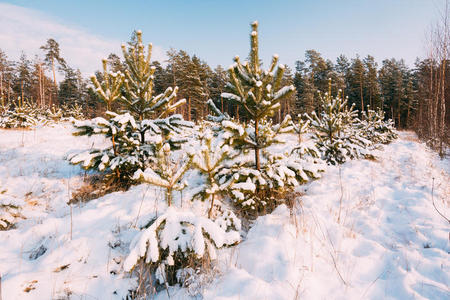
x: 257, y: 91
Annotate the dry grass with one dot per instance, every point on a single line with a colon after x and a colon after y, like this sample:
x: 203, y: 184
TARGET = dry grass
x: 371, y: 157
x: 190, y: 272
x: 95, y: 186
x: 9, y: 214
x: 30, y: 286
x: 18, y: 128
x: 61, y: 268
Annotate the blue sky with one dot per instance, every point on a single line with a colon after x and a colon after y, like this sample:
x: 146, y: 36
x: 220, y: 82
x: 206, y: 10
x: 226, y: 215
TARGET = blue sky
x: 218, y: 30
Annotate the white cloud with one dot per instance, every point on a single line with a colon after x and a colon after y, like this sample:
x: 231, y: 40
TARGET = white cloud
x: 23, y: 29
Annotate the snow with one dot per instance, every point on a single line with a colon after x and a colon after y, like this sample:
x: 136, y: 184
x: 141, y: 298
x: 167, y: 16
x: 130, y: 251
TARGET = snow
x: 150, y: 176
x: 245, y: 186
x: 182, y: 231
x: 230, y: 96
x: 283, y: 91
x: 376, y: 236
x: 388, y: 244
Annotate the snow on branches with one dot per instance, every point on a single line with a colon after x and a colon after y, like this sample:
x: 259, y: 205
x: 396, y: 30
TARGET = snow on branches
x: 340, y: 135
x: 174, y: 237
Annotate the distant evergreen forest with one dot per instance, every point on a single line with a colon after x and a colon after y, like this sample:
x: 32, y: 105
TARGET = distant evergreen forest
x: 415, y: 97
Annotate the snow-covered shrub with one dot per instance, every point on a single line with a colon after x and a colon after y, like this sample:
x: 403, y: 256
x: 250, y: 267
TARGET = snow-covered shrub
x: 340, y: 135
x: 21, y: 114
x: 9, y: 214
x: 209, y: 162
x: 279, y: 172
x: 175, y: 244
x: 376, y: 129
x: 65, y: 112
x: 26, y: 114
x: 124, y: 156
x: 253, y: 181
x: 167, y: 172
x: 127, y: 153
x: 336, y: 130
x: 144, y: 124
x: 54, y: 113
x: 72, y: 111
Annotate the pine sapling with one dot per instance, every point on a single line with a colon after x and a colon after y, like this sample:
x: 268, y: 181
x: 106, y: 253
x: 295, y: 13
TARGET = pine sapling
x: 256, y: 91
x: 209, y: 162
x: 139, y: 84
x: 168, y: 174
x: 109, y: 90
x: 143, y: 114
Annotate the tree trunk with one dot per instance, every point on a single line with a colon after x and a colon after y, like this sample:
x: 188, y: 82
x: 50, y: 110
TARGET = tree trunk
x: 408, y: 122
x: 279, y: 115
x: 210, y: 209
x: 361, y: 92
x: 444, y: 56
x: 1, y: 88
x: 399, y: 110
x: 189, y: 109
x: 43, y: 87
x: 21, y: 99
x: 169, y: 196
x: 115, y: 154
x: 392, y: 113
x: 430, y: 106
x: 258, y: 167
x: 54, y: 79
x: 442, y: 115
x: 288, y: 108
x: 9, y: 91
x: 40, y: 85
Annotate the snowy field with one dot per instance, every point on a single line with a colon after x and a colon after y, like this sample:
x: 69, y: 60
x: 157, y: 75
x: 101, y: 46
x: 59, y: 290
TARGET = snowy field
x: 365, y: 230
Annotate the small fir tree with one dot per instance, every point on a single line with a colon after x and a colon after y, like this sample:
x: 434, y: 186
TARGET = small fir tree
x: 255, y: 175
x: 209, y: 161
x: 178, y: 243
x: 145, y: 119
x: 138, y: 98
x: 336, y: 132
x: 109, y: 90
x: 256, y: 91
x: 168, y: 174
x: 375, y: 128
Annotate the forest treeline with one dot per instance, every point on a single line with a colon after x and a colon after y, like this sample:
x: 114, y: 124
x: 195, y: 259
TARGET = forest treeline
x: 415, y: 97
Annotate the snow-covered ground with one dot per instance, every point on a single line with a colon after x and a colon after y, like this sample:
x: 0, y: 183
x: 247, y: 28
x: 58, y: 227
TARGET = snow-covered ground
x: 366, y: 230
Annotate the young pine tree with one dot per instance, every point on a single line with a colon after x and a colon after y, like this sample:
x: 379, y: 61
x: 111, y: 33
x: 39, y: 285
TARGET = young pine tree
x: 109, y: 90
x: 144, y: 114
x: 336, y: 132
x: 255, y: 175
x: 209, y: 162
x: 168, y: 174
x: 256, y: 91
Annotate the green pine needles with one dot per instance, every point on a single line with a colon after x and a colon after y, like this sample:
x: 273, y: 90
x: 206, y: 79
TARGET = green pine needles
x: 257, y: 91
x: 139, y: 82
x: 143, y: 120
x: 258, y: 180
x: 109, y: 90
x: 340, y: 135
